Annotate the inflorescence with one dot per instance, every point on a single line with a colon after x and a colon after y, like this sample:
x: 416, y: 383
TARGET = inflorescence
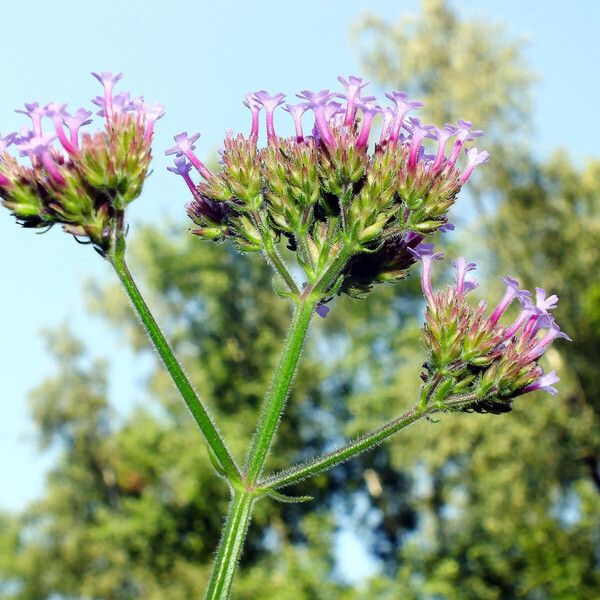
x: 324, y: 190
x: 474, y: 357
x: 85, y: 182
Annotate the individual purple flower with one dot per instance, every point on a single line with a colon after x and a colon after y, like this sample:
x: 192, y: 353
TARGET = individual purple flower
x: 184, y: 146
x: 35, y: 113
x: 297, y: 111
x: 545, y: 384
x: 123, y: 103
x: 57, y: 114
x: 418, y: 134
x: 513, y: 290
x: 474, y: 158
x: 23, y: 136
x: 183, y: 167
x: 425, y: 253
x: 6, y: 141
x: 353, y: 86
x: 386, y: 127
x: 151, y: 114
x: 75, y: 122
x: 99, y: 102
x: 317, y: 102
x: 39, y: 146
x: 322, y: 310
x: 254, y: 105
x: 270, y: 103
x: 544, y: 302
x: 412, y: 239
x: 442, y: 135
x: 332, y: 110
x: 403, y: 106
x: 446, y: 227
x: 369, y: 112
x: 536, y: 316
x: 529, y: 315
x: 462, y: 268
x: 553, y: 332
x: 463, y: 134
x: 108, y: 80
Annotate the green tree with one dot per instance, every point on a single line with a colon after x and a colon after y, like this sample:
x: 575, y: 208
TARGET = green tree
x: 511, y: 508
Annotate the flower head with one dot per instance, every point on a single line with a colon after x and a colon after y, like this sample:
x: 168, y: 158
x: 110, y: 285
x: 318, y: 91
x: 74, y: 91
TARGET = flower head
x: 86, y: 184
x: 489, y: 364
x: 388, y: 199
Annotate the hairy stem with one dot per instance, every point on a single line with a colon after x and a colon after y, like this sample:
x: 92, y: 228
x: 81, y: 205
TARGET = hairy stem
x: 199, y: 412
x: 274, y: 257
x: 240, y: 509
x: 329, y: 460
x: 333, y: 269
x: 275, y: 398
x: 230, y: 546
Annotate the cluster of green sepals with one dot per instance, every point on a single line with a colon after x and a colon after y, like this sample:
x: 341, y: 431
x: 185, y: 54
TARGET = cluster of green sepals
x: 471, y: 360
x: 324, y: 200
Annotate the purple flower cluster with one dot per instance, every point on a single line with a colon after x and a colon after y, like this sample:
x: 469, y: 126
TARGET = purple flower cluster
x: 338, y: 125
x: 390, y: 198
x: 84, y: 178
x: 497, y: 361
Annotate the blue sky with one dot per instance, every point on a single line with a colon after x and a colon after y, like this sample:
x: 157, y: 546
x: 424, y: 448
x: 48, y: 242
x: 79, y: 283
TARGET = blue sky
x: 199, y: 59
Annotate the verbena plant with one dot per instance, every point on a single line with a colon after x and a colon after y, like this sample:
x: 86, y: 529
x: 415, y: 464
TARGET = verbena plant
x: 351, y: 216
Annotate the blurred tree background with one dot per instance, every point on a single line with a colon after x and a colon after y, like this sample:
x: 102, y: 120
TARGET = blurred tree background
x: 471, y: 507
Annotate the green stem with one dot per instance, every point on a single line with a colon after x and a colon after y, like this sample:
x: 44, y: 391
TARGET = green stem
x: 199, y: 412
x: 275, y: 398
x: 274, y: 256
x: 361, y: 444
x: 333, y: 270
x: 240, y: 509
x: 230, y: 546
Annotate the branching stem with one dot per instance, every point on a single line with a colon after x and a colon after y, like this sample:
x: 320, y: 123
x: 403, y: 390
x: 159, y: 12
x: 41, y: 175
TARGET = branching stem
x: 331, y: 459
x: 199, y: 412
